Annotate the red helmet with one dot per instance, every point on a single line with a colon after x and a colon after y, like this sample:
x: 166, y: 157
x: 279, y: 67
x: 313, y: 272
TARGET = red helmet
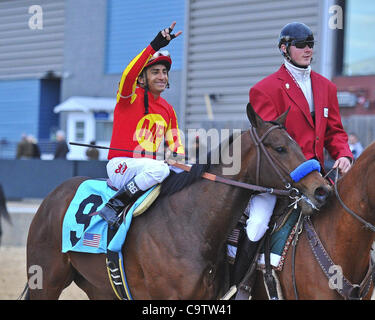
x: 160, y: 57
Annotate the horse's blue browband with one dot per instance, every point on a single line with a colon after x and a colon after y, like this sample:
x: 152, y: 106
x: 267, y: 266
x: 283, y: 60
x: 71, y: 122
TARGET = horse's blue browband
x: 304, y: 169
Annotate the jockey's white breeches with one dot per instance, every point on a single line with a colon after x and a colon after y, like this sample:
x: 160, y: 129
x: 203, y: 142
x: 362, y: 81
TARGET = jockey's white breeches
x: 260, y: 210
x: 145, y: 171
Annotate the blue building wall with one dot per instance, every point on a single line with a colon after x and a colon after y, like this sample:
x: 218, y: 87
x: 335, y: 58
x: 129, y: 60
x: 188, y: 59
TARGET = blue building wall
x: 19, y: 105
x: 34, y: 178
x: 49, y: 98
x: 26, y: 107
x: 131, y: 25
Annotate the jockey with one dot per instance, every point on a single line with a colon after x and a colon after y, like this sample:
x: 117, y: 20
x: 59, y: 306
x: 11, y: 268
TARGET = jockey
x: 142, y: 121
x: 313, y: 122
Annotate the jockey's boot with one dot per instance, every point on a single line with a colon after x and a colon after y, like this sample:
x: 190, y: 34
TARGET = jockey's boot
x: 112, y: 209
x: 245, y: 255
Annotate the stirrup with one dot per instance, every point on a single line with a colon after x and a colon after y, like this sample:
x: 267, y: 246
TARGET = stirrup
x: 110, y: 215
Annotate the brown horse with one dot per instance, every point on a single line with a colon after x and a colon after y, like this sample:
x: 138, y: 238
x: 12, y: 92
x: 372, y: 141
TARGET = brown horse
x: 176, y: 250
x: 3, y: 210
x: 345, y: 238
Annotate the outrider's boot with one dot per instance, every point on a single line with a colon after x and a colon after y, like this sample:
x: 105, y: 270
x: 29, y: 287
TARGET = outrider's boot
x: 245, y: 255
x: 112, y: 209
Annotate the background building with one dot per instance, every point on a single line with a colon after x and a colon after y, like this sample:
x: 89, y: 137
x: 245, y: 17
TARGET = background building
x: 61, y: 60
x: 31, y: 67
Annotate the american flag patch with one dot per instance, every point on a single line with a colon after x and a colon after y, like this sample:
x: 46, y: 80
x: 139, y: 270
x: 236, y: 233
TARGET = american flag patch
x: 91, y: 239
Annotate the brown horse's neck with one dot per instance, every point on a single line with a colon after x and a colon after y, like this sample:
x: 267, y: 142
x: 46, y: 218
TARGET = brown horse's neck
x: 224, y: 204
x: 345, y: 238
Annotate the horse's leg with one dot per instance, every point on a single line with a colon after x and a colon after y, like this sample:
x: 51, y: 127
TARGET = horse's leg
x: 48, y: 269
x: 93, y: 292
x: 1, y: 230
x: 91, y: 275
x: 55, y: 270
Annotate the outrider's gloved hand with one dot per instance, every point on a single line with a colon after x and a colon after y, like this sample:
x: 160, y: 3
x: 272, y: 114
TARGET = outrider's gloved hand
x: 160, y: 41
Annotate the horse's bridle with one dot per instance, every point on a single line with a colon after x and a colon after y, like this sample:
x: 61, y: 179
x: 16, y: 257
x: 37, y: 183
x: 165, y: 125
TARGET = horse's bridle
x: 277, y: 168
x: 348, y: 291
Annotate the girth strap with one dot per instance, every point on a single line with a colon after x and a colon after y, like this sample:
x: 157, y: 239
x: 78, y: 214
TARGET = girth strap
x: 115, y: 270
x: 269, y: 279
x: 348, y: 290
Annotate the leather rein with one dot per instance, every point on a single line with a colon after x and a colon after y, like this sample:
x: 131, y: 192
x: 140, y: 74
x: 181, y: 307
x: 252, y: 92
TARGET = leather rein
x: 344, y: 287
x: 293, y: 193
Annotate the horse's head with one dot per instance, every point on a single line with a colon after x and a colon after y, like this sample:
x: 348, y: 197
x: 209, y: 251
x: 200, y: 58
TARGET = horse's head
x: 278, y: 155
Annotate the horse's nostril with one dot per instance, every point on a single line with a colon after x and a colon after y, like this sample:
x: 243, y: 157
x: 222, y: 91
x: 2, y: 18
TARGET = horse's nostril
x: 321, y: 194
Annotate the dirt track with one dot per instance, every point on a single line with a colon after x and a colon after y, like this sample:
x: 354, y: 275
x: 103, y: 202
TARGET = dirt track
x: 13, y: 276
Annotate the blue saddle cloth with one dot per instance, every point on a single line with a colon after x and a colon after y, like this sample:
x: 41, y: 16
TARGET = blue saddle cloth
x: 84, y: 233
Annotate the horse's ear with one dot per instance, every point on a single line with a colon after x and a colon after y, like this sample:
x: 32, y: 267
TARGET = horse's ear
x: 281, y: 120
x: 254, y: 119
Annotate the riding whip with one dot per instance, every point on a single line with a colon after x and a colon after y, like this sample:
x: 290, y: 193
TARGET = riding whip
x: 117, y: 149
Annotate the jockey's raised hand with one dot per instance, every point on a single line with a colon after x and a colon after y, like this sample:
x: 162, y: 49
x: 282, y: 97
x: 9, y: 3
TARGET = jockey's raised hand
x: 164, y: 37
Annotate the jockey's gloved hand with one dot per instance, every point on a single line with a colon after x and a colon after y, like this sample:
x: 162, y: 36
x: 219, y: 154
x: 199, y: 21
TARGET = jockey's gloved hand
x: 173, y: 157
x: 161, y: 41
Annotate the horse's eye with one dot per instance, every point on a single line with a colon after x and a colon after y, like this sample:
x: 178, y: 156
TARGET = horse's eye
x: 280, y: 149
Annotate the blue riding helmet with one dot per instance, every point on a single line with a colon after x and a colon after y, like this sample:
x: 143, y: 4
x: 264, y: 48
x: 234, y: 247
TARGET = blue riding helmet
x: 295, y: 32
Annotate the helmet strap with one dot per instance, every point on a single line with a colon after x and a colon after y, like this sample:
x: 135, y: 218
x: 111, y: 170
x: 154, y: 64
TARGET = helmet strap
x: 146, y: 93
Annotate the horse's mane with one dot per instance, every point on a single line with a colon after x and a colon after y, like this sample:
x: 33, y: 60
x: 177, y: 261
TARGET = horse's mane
x: 177, y: 181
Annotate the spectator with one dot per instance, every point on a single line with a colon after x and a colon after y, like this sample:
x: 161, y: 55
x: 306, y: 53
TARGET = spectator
x: 24, y: 148
x: 62, y: 147
x: 35, y: 148
x: 92, y: 153
x: 355, y: 145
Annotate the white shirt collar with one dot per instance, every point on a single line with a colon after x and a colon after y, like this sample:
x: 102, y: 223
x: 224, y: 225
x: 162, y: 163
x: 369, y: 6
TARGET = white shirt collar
x: 300, y: 74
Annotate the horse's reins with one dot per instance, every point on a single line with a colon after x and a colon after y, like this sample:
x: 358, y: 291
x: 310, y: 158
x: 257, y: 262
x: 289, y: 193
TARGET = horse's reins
x: 290, y: 192
x: 348, y: 290
x: 213, y: 177
x: 258, y: 142
x: 367, y: 224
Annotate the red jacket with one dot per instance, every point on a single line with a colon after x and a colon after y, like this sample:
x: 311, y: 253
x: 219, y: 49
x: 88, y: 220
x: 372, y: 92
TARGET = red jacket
x: 273, y: 95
